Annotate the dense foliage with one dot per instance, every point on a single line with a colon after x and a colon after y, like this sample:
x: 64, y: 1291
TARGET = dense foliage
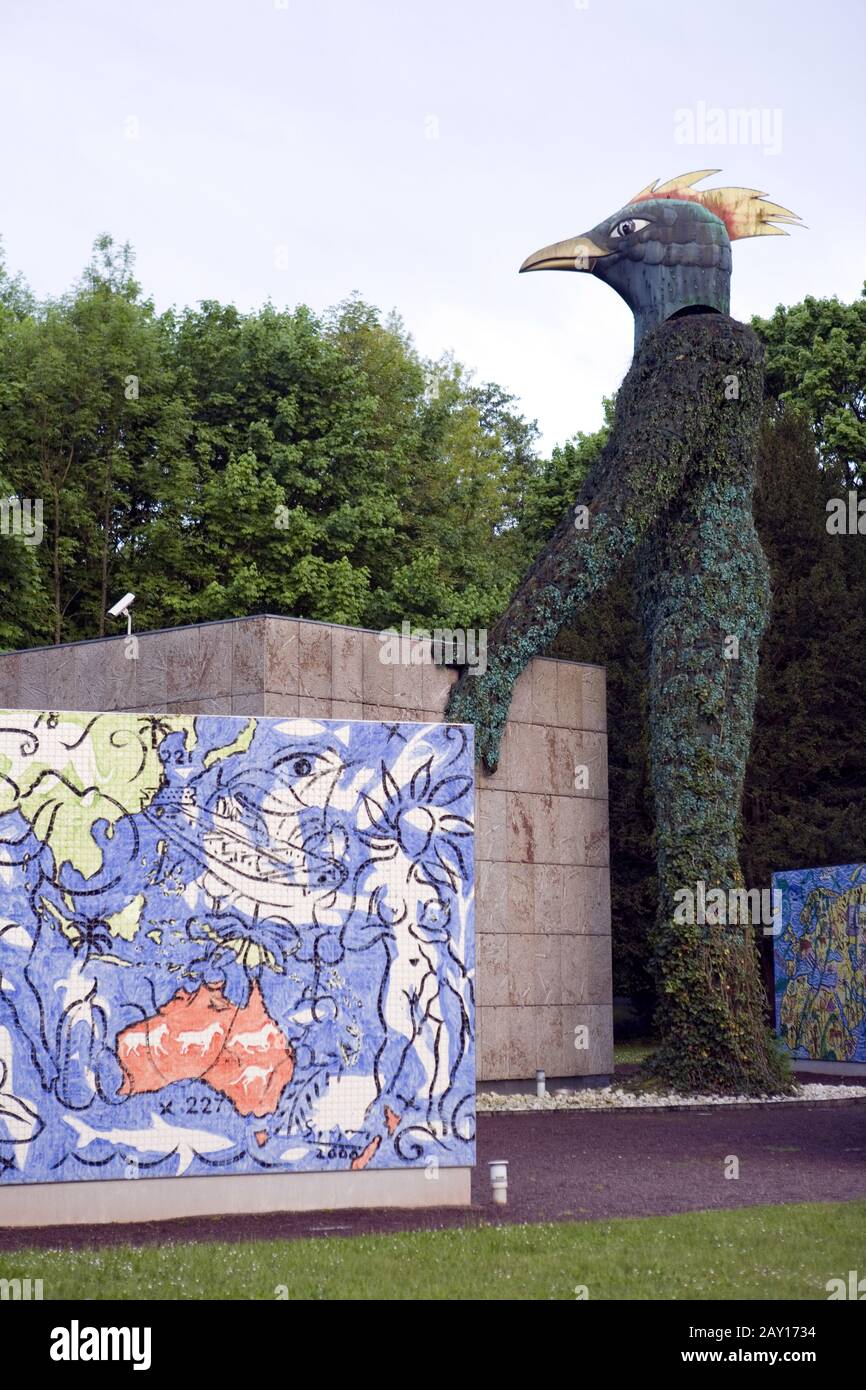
x: 220, y: 463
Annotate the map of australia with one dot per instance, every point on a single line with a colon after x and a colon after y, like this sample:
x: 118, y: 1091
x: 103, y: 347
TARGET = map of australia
x: 233, y: 944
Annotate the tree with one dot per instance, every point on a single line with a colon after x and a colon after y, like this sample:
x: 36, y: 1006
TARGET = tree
x: 816, y: 363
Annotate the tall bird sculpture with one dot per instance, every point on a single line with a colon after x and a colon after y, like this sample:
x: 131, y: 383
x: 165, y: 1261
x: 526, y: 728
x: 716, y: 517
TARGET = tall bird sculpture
x: 673, y: 486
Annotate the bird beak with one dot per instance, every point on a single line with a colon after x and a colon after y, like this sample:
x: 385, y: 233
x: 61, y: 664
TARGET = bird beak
x: 577, y: 253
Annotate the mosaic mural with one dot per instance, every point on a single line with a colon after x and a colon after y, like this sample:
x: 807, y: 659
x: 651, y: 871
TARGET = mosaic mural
x: 233, y: 945
x: 821, y: 963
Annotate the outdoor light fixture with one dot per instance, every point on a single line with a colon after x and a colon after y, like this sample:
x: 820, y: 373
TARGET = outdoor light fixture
x: 122, y: 606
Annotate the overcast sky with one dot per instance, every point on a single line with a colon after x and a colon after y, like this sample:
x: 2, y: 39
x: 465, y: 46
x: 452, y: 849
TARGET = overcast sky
x: 298, y: 150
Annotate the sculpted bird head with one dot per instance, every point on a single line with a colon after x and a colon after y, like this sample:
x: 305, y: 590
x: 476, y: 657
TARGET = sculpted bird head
x: 668, y: 250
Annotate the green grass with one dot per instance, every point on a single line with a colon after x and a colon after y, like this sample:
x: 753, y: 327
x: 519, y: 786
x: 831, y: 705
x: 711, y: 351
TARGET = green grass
x: 773, y: 1252
x: 633, y: 1050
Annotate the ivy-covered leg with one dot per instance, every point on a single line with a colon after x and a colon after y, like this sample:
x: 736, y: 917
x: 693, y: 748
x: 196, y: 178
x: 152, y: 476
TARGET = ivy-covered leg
x: 705, y: 597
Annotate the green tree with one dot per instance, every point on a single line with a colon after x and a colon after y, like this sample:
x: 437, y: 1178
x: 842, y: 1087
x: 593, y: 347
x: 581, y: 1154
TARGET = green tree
x: 816, y: 363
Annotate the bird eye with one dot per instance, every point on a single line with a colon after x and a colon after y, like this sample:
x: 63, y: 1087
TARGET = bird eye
x: 629, y: 226
x: 302, y: 766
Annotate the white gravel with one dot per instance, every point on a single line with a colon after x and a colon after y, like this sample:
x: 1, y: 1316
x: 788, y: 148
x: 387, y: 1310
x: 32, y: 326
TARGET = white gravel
x: 612, y: 1098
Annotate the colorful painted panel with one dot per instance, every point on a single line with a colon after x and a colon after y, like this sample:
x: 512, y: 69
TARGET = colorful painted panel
x: 233, y: 945
x: 821, y: 963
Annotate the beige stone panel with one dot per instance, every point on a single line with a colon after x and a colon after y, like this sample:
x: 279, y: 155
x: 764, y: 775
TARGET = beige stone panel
x: 492, y: 1060
x: 189, y: 706
x: 549, y: 881
x: 436, y: 686
x: 182, y: 663
x: 534, y: 963
x: 599, y: 987
x: 596, y: 833
x: 409, y: 678
x: 575, y: 968
x: 580, y: 831
x: 597, y: 1057
x: 546, y: 968
x: 520, y: 709
x: 521, y: 965
x: 378, y: 676
x: 10, y: 680
x: 347, y: 665
x: 594, y: 698
x: 544, y: 759
x: 491, y: 898
x: 587, y: 749
x: 92, y: 683
x: 598, y: 900
x: 543, y: 690
x: 347, y: 709
x: 530, y: 828
x: 491, y: 971
x: 499, y: 778
x: 215, y: 661
x: 280, y: 705
x: 392, y: 714
x: 521, y: 897
x: 47, y: 679
x: 34, y: 679
x: 281, y: 657
x: 218, y: 704
x: 569, y: 695
x: 527, y: 758
x: 550, y: 1042
x: 490, y: 825
x: 151, y: 674
x: 378, y: 714
x: 253, y: 703
x: 520, y: 1028
x: 586, y: 900
x: 310, y: 708
x: 248, y: 656
x: 121, y: 681
x: 314, y: 661
x: 122, y: 676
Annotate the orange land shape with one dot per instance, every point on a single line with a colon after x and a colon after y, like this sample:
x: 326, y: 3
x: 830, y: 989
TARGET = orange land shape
x: 202, y: 1036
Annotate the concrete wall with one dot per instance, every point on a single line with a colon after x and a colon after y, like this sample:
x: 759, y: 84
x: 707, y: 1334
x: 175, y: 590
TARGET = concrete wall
x: 543, y: 907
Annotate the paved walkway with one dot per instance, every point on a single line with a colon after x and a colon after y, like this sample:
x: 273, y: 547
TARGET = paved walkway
x: 579, y: 1166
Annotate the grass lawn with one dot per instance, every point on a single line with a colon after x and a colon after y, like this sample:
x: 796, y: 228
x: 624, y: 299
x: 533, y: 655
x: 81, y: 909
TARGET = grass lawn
x: 757, y: 1252
x: 634, y: 1050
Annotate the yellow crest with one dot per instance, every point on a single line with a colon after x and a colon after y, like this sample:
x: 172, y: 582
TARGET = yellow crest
x: 744, y: 211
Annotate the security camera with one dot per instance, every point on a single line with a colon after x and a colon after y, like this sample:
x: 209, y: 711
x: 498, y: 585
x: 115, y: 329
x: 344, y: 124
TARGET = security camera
x: 119, y: 608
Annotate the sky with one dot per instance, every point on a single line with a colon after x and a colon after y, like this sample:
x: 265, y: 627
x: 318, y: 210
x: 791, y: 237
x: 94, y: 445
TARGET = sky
x: 299, y: 150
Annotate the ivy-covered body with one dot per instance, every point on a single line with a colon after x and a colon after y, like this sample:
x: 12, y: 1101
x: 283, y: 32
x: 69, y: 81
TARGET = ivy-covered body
x: 674, y: 483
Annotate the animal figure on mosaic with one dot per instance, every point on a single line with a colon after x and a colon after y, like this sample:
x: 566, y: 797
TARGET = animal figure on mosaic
x: 673, y: 488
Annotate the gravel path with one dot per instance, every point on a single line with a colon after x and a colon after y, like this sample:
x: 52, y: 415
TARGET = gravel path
x: 613, y: 1098
x: 586, y: 1165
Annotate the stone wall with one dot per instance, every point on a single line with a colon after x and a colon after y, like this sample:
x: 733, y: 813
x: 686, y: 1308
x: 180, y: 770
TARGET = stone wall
x: 543, y: 905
